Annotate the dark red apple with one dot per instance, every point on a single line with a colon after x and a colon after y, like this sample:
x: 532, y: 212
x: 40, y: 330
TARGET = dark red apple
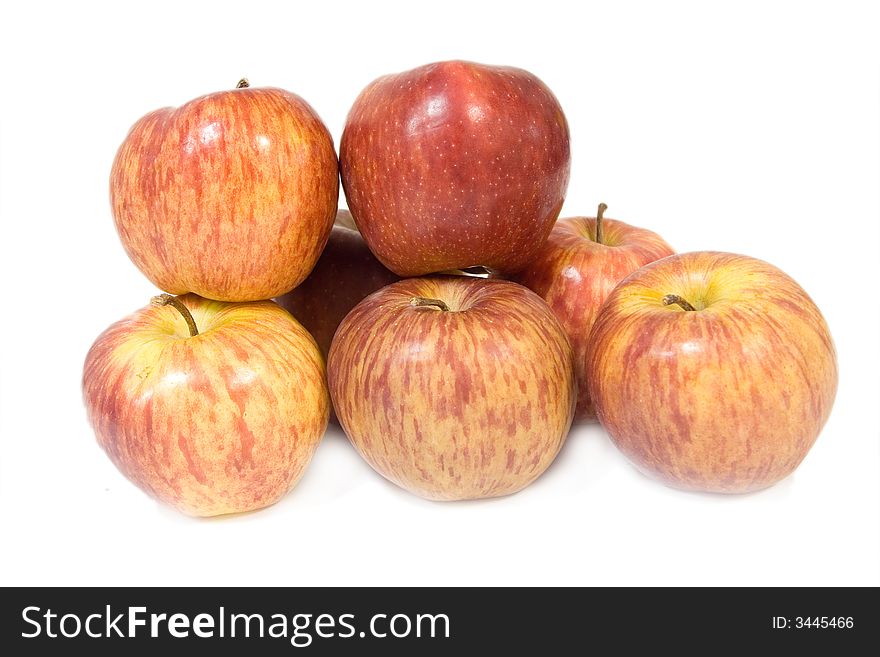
x: 454, y: 165
x: 346, y: 273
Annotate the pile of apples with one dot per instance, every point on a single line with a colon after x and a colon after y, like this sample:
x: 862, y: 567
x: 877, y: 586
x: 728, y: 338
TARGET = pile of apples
x: 463, y: 327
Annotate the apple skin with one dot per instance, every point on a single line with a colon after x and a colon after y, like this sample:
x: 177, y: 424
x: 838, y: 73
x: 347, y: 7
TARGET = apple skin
x: 454, y: 165
x: 467, y: 403
x: 231, y: 196
x: 346, y: 273
x: 574, y: 274
x: 224, y: 422
x: 727, y: 398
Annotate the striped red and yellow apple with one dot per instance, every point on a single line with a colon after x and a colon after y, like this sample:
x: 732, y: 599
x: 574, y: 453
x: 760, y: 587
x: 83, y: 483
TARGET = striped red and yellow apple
x: 231, y: 195
x: 454, y: 165
x: 454, y: 387
x: 712, y: 371
x: 211, y: 407
x: 583, y: 259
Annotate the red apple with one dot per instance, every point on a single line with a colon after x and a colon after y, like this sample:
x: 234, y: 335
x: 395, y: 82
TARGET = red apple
x: 712, y: 371
x: 576, y: 269
x: 222, y: 417
x: 230, y: 196
x: 454, y: 165
x: 346, y: 273
x: 454, y: 387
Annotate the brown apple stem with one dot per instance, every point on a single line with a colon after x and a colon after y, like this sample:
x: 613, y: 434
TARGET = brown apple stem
x: 243, y: 84
x: 424, y: 301
x: 177, y: 304
x: 477, y: 271
x: 670, y: 299
x: 599, y: 232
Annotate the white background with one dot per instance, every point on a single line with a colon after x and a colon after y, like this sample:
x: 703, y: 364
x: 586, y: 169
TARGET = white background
x: 753, y: 128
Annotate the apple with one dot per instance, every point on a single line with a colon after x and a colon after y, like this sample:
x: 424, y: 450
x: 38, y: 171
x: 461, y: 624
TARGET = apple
x: 712, y: 371
x: 346, y: 273
x: 230, y: 196
x: 455, y: 165
x: 210, y: 407
x: 454, y: 387
x: 576, y: 269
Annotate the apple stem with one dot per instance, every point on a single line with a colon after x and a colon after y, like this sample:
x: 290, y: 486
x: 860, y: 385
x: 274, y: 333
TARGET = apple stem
x: 424, y: 301
x: 177, y: 304
x: 599, y: 232
x: 479, y: 271
x: 243, y: 84
x: 670, y: 299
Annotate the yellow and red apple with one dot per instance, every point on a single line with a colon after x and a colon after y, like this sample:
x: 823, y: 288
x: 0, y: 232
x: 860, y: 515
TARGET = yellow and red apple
x: 210, y: 407
x: 712, y: 371
x: 583, y: 259
x: 231, y: 196
x: 454, y: 387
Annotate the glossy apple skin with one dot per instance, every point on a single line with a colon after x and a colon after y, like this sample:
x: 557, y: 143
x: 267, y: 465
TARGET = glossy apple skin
x: 231, y: 196
x: 223, y: 422
x: 454, y: 165
x: 728, y: 398
x: 468, y: 403
x: 346, y: 273
x: 574, y: 274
